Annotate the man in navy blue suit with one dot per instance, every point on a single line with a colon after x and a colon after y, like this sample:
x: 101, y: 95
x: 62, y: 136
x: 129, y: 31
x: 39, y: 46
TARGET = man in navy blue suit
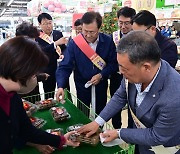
x: 84, y: 69
x: 57, y: 39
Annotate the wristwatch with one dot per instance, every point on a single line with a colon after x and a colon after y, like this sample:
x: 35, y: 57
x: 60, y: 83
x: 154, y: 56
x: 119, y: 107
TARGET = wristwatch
x: 118, y: 133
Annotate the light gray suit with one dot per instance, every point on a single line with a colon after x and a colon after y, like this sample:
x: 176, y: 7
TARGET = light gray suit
x: 159, y: 111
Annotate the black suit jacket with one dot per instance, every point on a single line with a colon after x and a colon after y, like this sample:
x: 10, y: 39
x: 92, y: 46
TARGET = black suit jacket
x: 168, y: 49
x: 50, y: 51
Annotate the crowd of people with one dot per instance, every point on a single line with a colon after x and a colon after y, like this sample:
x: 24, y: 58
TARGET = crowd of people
x: 138, y: 60
x: 169, y: 31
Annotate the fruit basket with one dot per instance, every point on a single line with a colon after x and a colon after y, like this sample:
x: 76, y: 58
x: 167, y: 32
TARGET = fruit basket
x: 45, y: 104
x: 59, y: 114
x: 93, y: 140
x: 29, y: 107
x: 37, y: 122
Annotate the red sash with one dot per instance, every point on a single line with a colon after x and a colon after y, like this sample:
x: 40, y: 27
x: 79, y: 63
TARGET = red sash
x: 89, y: 52
x: 46, y: 38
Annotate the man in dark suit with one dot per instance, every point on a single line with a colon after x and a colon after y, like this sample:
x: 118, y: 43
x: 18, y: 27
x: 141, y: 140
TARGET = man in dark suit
x: 146, y: 21
x: 27, y: 29
x: 50, y: 48
x: 152, y: 93
x: 84, y: 69
x: 124, y: 15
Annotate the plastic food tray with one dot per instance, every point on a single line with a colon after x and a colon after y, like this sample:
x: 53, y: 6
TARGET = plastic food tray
x: 46, y: 104
x: 59, y: 114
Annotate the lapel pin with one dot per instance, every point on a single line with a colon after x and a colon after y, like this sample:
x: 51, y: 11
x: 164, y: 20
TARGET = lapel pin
x: 153, y: 95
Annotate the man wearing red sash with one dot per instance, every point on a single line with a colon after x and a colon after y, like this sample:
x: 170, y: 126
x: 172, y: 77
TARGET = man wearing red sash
x: 94, y: 65
x: 52, y: 43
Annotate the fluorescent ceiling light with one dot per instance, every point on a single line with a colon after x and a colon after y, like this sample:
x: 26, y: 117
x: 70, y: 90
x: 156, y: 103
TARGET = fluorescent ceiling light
x: 21, y: 2
x: 9, y: 3
x: 2, y: 12
x: 14, y: 13
x: 16, y: 10
x: 20, y: 6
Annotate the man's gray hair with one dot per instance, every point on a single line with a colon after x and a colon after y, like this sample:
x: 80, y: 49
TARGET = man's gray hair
x: 140, y: 47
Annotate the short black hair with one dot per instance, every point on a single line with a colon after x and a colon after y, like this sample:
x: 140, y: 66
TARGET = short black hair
x: 27, y: 29
x: 77, y: 22
x: 145, y: 18
x: 126, y: 12
x: 20, y: 59
x: 90, y: 17
x: 44, y: 16
x: 140, y: 47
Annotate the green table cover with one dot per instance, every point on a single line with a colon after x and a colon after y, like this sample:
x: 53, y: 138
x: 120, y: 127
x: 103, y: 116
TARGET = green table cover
x: 76, y: 117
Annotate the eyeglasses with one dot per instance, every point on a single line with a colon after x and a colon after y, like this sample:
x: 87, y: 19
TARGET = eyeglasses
x: 126, y: 23
x: 148, y: 28
x: 89, y: 32
x: 47, y: 23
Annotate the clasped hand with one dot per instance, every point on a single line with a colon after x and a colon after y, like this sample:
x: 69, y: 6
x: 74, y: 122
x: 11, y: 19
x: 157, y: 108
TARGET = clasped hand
x: 96, y: 79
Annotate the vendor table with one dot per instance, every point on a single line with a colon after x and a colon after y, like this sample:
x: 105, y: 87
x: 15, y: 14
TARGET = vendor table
x: 76, y: 117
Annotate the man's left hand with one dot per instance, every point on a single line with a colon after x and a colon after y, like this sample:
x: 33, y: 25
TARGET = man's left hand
x: 96, y: 79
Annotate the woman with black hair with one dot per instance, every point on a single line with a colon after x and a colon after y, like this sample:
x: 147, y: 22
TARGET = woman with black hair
x: 20, y: 60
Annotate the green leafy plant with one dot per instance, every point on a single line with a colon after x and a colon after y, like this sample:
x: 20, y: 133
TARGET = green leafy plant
x: 110, y: 21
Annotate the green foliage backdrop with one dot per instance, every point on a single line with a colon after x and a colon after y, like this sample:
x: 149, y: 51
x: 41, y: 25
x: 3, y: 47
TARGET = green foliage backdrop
x: 110, y: 21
